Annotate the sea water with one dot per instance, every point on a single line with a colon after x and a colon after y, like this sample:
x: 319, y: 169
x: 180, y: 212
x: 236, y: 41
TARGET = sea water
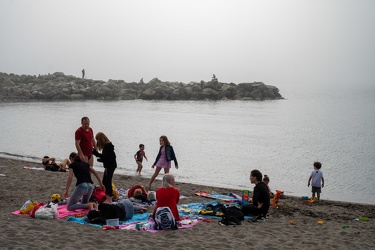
x: 218, y: 143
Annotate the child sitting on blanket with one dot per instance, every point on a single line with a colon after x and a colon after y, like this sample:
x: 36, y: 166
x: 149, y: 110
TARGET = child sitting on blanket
x: 124, y: 210
x: 266, y: 180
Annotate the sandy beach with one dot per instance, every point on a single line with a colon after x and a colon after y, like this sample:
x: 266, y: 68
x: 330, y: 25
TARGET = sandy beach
x: 339, y: 230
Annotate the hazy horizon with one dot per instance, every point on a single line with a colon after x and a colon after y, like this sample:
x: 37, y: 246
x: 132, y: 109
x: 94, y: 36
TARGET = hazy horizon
x: 282, y: 43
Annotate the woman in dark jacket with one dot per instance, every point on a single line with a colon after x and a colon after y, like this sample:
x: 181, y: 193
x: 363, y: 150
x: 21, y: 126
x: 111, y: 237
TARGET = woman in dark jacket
x: 108, y: 157
x: 163, y: 159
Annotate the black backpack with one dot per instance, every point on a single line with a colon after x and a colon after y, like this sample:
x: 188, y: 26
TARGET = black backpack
x: 232, y: 216
x: 164, y: 219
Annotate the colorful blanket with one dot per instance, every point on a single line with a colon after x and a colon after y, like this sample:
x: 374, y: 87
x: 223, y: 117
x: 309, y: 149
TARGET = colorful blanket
x: 136, y: 218
x: 139, y: 222
x: 62, y: 212
x: 123, y: 193
x: 192, y: 210
x: 214, y: 195
x: 182, y: 224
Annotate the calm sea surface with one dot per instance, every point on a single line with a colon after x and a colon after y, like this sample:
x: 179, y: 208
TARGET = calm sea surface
x: 219, y: 143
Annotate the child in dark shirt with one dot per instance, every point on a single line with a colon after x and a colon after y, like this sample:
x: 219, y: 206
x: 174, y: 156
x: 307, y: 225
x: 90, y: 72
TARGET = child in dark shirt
x: 139, y: 158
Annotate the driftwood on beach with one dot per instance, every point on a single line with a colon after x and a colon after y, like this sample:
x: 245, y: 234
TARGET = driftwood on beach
x: 58, y: 86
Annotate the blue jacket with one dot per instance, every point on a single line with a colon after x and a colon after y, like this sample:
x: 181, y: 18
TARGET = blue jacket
x: 169, y: 155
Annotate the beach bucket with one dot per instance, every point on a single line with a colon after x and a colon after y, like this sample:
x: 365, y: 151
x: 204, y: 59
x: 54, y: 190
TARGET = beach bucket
x: 112, y: 222
x: 245, y: 197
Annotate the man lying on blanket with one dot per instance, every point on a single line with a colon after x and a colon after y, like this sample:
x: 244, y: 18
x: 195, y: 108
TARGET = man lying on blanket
x: 124, y: 210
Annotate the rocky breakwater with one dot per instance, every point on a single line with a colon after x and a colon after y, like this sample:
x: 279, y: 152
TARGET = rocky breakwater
x: 58, y: 86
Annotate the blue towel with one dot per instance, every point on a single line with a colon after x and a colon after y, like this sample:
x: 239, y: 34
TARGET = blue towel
x: 136, y: 218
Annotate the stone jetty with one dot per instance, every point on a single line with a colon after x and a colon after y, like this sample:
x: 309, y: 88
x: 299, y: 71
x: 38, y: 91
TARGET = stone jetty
x: 58, y: 86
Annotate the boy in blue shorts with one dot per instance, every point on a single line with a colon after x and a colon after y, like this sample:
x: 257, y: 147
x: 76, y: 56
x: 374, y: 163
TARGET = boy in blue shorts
x: 317, y: 180
x: 139, y: 158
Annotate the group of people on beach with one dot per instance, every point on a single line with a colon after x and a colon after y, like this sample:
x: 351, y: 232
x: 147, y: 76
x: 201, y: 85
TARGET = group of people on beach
x: 80, y: 165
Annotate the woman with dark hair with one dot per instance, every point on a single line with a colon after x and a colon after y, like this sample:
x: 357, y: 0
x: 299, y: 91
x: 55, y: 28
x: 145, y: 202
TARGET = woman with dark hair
x: 108, y: 157
x: 261, y: 197
x: 163, y: 159
x: 49, y: 163
x: 84, y: 186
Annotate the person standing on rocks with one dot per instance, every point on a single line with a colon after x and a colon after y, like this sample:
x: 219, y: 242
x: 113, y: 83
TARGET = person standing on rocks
x: 83, y: 73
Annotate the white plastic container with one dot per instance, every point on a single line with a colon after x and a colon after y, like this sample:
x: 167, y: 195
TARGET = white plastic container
x: 112, y: 222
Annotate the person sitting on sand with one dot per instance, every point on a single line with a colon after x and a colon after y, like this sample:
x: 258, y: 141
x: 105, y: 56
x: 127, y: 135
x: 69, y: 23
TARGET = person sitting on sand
x: 261, y: 197
x: 84, y: 187
x: 168, y: 196
x: 266, y: 181
x: 124, y: 210
x: 49, y: 163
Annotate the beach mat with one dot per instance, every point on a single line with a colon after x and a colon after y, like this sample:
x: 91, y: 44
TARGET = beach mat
x: 182, y: 224
x: 63, y: 212
x: 136, y: 223
x: 192, y: 210
x: 135, y: 219
x: 217, y: 196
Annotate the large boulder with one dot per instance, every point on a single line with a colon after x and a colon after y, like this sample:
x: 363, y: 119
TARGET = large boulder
x: 7, y: 83
x: 148, y: 94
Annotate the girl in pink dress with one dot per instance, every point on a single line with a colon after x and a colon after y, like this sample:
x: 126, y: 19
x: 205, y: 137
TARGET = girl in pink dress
x: 163, y: 159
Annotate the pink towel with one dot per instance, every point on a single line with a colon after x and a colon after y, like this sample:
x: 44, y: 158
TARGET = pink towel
x: 62, y: 212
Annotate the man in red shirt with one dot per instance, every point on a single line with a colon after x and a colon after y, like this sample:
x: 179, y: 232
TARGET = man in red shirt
x: 85, y: 141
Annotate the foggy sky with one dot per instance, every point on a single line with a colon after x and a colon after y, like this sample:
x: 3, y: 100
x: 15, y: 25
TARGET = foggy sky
x: 282, y: 43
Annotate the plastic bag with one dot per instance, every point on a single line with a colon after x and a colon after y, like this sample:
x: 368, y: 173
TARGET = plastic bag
x: 28, y: 206
x: 47, y: 212
x: 36, y: 208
